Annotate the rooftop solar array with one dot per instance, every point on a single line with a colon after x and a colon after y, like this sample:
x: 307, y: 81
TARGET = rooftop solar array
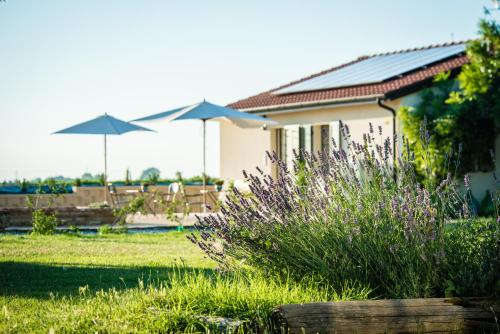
x: 375, y: 69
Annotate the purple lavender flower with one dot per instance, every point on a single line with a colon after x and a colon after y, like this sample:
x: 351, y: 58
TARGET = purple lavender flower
x: 311, y: 223
x: 467, y: 181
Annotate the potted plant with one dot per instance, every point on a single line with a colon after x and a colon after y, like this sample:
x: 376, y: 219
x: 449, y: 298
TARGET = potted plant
x: 219, y: 184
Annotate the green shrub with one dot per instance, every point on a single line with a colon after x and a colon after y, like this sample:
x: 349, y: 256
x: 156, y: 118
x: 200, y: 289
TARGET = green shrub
x: 104, y: 229
x: 43, y: 223
x: 23, y: 186
x: 461, y: 112
x: 135, y: 205
x: 101, y: 179
x: 487, y: 206
x: 77, y: 182
x: 121, y: 229
x: 73, y: 229
x: 107, y: 229
x: 473, y: 257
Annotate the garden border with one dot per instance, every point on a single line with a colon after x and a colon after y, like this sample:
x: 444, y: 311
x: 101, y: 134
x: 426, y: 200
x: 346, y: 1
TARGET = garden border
x: 425, y: 315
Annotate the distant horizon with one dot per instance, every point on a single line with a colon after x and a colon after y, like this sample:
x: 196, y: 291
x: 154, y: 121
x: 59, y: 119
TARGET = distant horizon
x: 95, y: 177
x: 67, y: 62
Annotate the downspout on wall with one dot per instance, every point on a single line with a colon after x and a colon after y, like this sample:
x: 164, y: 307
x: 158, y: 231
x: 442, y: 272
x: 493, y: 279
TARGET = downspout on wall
x: 393, y: 112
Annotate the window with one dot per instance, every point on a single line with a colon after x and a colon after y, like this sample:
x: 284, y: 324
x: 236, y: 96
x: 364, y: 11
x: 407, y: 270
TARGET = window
x: 306, y: 138
x: 329, y: 133
x: 335, y: 134
x: 293, y: 137
x: 325, y: 137
x: 300, y: 137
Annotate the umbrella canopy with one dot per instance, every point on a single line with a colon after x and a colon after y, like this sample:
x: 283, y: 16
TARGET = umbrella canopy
x: 208, y: 111
x: 103, y: 125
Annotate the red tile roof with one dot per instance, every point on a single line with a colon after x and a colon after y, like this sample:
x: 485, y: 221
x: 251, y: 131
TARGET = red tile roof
x: 405, y: 82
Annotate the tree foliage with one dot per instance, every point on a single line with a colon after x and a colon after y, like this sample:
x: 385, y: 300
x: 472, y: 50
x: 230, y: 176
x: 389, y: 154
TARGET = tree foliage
x: 481, y: 75
x: 151, y: 174
x: 461, y: 117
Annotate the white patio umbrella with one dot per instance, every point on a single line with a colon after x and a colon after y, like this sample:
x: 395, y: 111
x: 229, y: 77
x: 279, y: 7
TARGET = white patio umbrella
x: 206, y: 111
x: 103, y: 125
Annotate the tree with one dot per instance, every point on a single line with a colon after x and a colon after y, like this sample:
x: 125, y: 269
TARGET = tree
x: 480, y: 79
x: 87, y: 176
x: 481, y: 75
x: 461, y: 114
x: 128, y: 177
x: 150, y: 174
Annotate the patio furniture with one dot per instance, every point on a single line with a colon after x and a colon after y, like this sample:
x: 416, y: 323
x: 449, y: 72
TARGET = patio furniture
x: 157, y: 200
x: 173, y: 191
x: 202, y: 197
x: 212, y: 194
x: 119, y: 199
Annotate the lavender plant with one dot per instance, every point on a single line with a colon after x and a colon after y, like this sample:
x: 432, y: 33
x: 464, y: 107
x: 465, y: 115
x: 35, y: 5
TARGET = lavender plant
x: 343, y: 216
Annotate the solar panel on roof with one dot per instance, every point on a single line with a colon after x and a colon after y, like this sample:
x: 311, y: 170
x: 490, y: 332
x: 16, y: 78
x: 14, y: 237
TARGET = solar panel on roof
x: 375, y: 69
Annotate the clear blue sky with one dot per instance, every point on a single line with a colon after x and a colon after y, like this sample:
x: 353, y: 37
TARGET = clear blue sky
x: 63, y: 62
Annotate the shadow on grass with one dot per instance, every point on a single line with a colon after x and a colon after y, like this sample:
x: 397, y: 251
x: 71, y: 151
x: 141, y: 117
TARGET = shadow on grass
x: 41, y: 280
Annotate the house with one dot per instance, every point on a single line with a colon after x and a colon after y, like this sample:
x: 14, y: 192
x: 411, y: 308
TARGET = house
x: 367, y: 90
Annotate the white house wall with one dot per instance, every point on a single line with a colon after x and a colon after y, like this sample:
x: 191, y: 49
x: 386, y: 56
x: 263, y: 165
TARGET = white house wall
x: 245, y: 148
x: 242, y: 149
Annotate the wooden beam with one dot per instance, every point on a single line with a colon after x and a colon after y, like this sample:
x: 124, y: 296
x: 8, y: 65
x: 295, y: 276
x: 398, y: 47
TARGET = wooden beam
x: 427, y: 315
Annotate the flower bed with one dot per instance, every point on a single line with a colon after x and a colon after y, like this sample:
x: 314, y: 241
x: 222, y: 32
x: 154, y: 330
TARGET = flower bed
x: 351, y: 216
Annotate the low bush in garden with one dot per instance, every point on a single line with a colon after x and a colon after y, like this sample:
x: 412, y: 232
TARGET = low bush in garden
x: 473, y: 261
x: 350, y: 216
x: 43, y: 223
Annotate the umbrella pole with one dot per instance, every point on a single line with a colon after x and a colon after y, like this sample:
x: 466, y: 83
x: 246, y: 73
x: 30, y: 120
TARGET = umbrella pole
x: 105, y: 170
x: 204, y: 166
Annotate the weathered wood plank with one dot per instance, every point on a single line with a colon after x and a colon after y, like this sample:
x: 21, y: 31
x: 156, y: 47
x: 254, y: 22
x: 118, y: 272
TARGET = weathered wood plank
x: 17, y: 217
x: 427, y: 315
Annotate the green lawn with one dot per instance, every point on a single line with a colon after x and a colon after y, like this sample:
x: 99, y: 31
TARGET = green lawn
x: 43, y: 278
x: 41, y: 265
x: 130, y: 284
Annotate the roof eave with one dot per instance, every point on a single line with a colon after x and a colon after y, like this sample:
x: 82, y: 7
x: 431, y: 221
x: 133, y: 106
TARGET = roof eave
x: 418, y: 86
x: 313, y: 104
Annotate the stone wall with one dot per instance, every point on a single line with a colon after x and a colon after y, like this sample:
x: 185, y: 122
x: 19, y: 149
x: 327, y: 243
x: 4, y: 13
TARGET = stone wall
x: 84, y: 196
x: 10, y: 217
